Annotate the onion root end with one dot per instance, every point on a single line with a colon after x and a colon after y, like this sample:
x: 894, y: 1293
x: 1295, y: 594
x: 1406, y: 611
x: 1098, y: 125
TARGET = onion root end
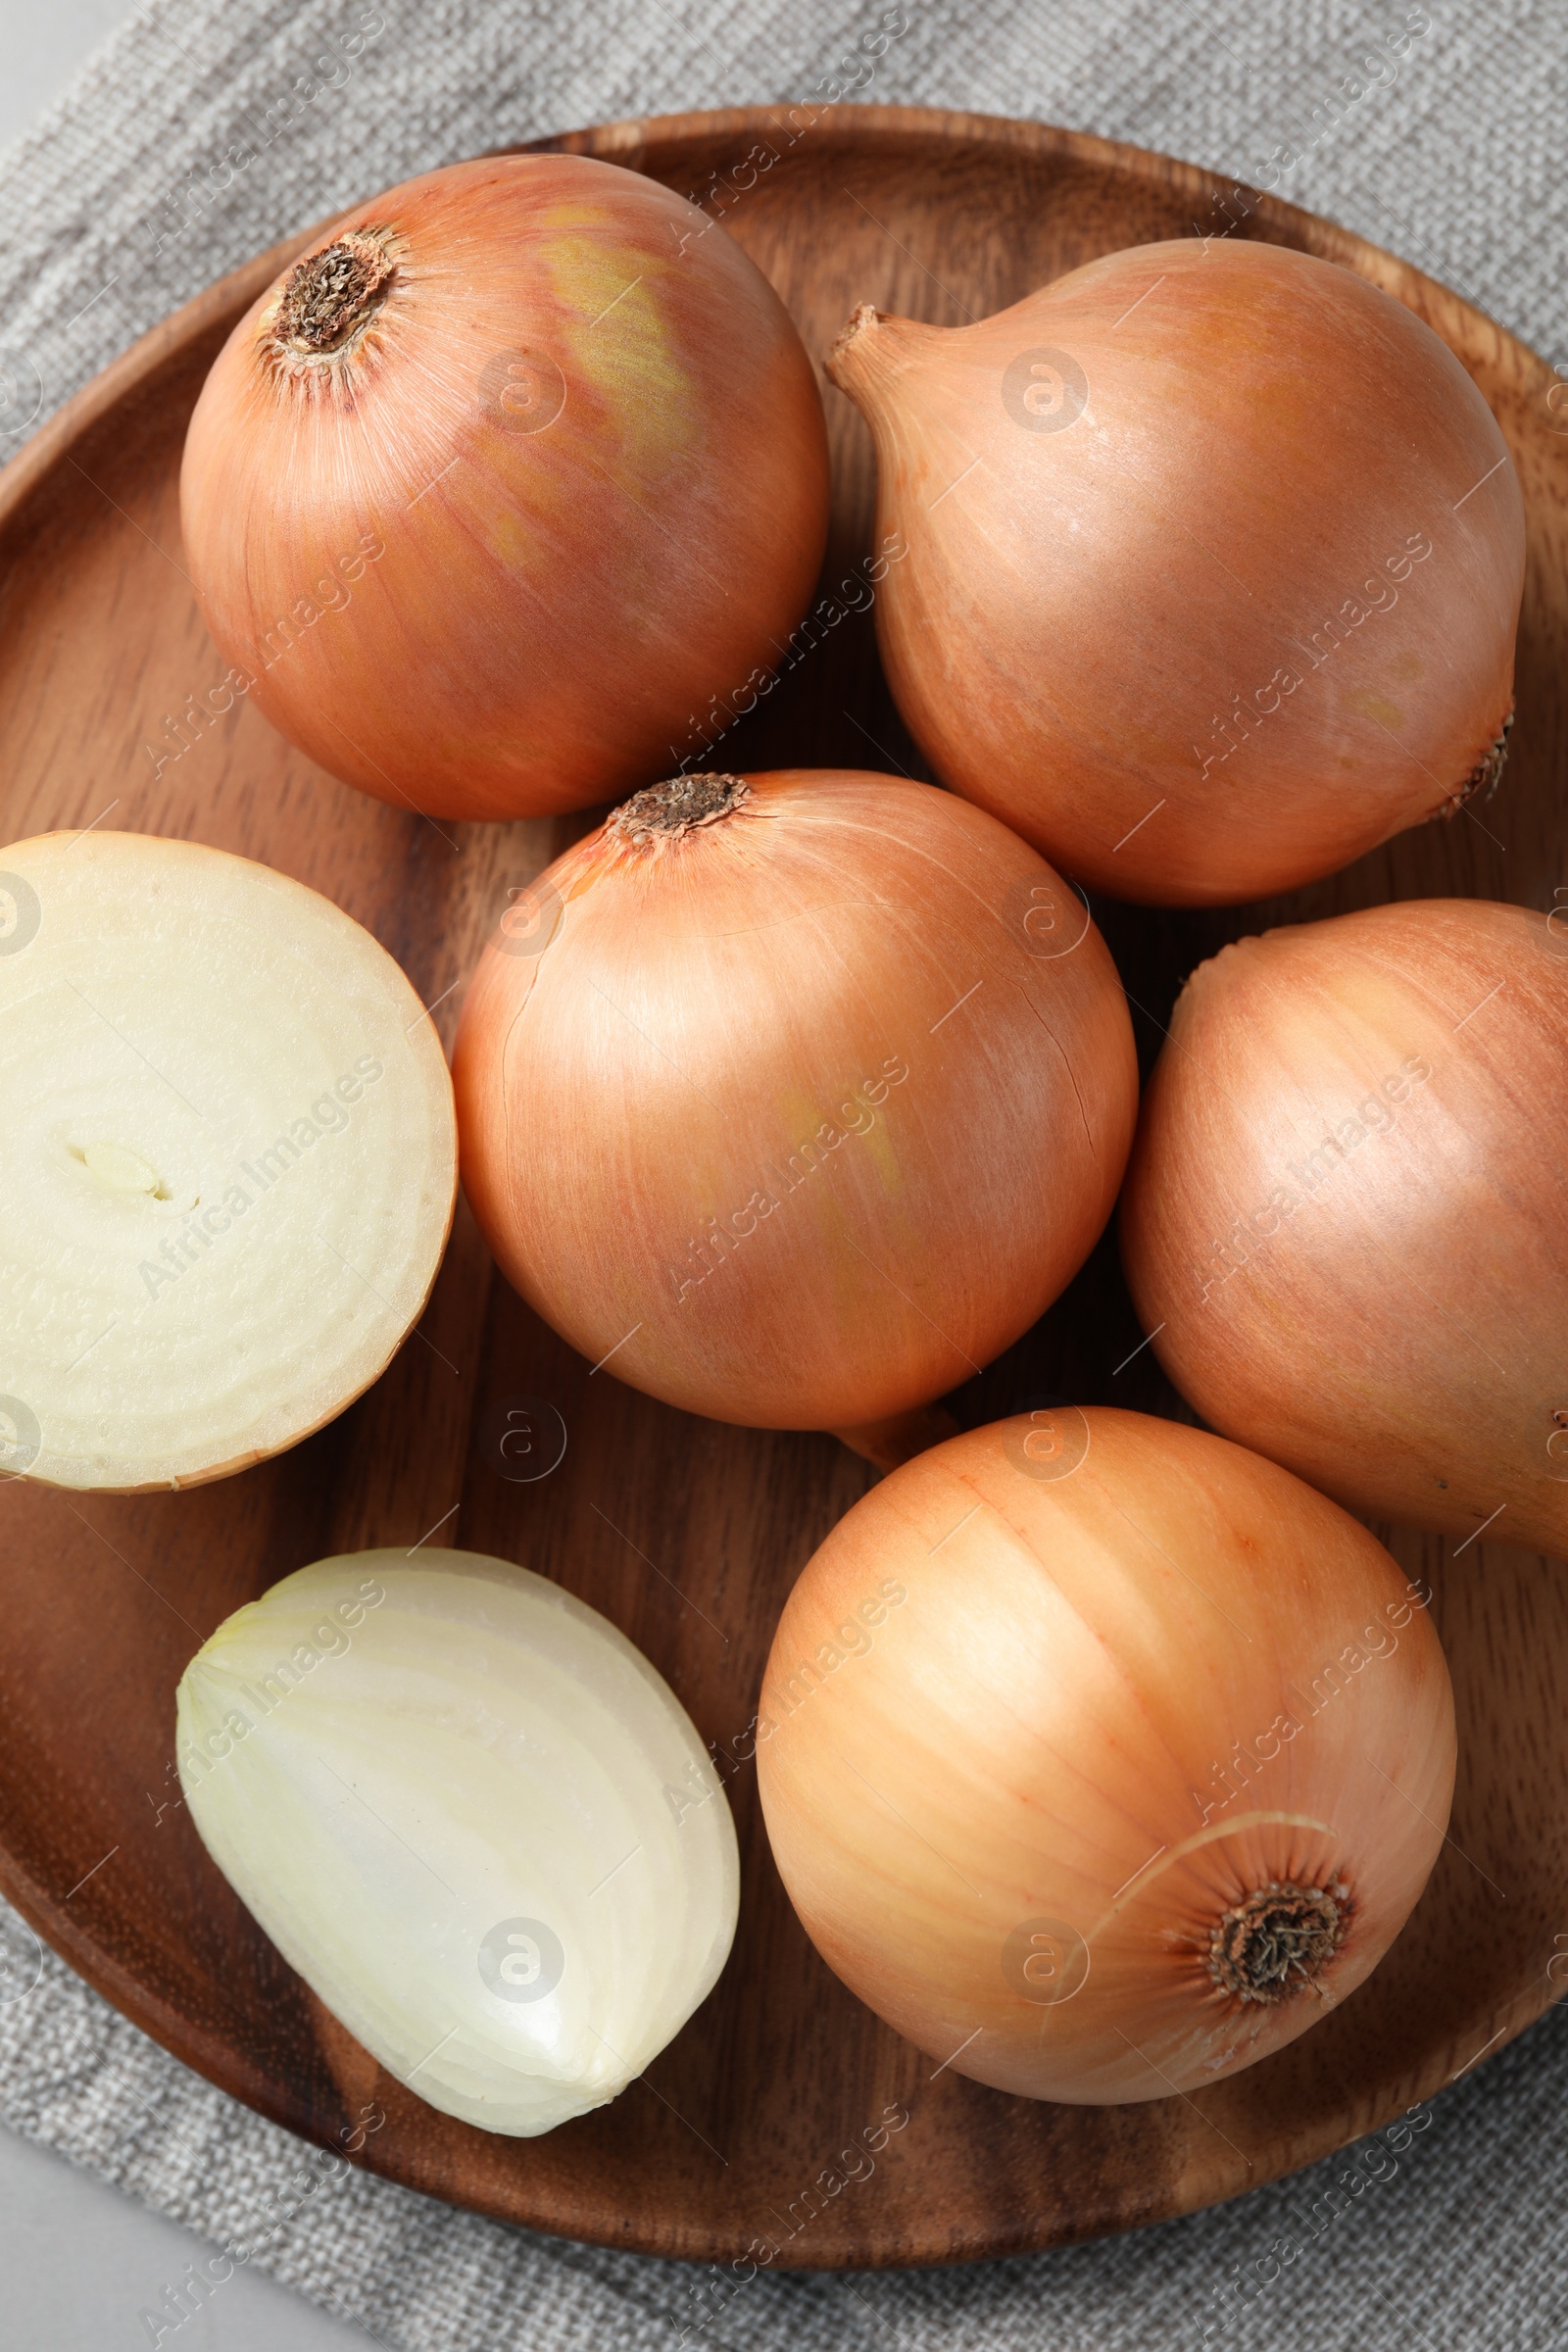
x: 1278, y: 1941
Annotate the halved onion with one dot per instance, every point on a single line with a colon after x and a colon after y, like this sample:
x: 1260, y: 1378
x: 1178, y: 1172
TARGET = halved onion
x: 473, y: 1817
x: 229, y: 1166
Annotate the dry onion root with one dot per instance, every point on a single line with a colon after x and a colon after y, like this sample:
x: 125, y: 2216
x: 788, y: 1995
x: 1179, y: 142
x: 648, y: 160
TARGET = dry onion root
x: 491, y: 492
x: 1216, y: 555
x: 475, y: 1820
x: 229, y: 1167
x: 1101, y: 1757
x: 793, y: 1099
x: 1344, y: 1210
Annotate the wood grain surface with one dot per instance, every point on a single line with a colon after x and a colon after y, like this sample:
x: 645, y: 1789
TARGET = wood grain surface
x: 687, y: 1533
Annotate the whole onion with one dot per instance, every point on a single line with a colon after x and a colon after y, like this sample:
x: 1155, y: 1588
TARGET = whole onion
x: 1346, y: 1218
x: 1215, y: 555
x: 795, y: 1099
x: 1101, y: 1757
x: 495, y: 487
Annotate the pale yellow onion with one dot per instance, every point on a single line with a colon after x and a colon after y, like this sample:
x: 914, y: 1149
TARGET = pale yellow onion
x: 1069, y: 1719
x: 1345, y: 1213
x: 794, y: 1099
x: 1214, y: 561
x: 230, y: 1161
x: 473, y: 1817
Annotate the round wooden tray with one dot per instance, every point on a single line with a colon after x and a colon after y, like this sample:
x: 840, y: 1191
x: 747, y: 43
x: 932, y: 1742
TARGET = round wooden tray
x: 687, y: 1533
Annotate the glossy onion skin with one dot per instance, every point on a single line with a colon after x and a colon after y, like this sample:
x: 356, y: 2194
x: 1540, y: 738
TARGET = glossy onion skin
x: 1170, y: 580
x: 1026, y: 1690
x: 787, y: 976
x: 548, y: 606
x: 1362, y: 1270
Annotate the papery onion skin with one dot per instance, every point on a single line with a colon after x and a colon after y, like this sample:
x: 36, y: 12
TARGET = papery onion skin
x: 565, y: 480
x: 999, y: 1701
x: 1165, y: 607
x: 799, y: 1116
x: 1347, y: 1209
x: 229, y: 1161
x: 473, y: 1817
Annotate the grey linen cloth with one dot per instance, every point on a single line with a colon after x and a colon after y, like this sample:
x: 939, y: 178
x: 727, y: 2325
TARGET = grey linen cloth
x: 202, y: 131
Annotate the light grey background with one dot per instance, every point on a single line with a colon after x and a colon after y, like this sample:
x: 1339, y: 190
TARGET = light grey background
x: 79, y: 2264
x: 1453, y: 2243
x: 42, y: 42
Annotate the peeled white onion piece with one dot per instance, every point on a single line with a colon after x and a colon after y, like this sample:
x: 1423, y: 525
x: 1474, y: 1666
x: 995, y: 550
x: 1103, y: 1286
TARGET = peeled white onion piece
x: 473, y: 1817
x: 227, y: 1161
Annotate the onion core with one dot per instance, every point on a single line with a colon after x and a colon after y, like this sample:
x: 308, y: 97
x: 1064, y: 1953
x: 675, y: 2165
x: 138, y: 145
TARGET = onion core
x: 230, y: 1161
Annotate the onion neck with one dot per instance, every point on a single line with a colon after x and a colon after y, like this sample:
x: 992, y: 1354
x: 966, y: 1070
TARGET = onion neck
x: 874, y: 350
x: 331, y: 297
x: 666, y: 812
x: 1279, y: 1941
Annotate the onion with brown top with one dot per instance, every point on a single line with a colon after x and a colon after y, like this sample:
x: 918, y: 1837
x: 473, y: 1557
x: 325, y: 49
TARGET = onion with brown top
x: 795, y: 1099
x: 1101, y: 1757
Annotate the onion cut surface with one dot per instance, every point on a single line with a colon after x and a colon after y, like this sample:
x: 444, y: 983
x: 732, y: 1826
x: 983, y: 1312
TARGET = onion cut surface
x: 487, y: 496
x: 1101, y: 1757
x: 473, y: 1817
x: 1215, y: 562
x: 1348, y: 1211
x: 795, y: 1099
x: 229, y: 1163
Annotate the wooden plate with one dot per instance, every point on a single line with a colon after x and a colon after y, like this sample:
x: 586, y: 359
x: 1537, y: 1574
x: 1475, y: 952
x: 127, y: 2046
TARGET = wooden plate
x: 688, y: 1532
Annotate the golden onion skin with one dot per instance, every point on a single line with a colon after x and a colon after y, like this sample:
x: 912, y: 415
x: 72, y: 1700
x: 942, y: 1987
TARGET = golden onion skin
x: 1076, y: 1729
x: 1347, y: 1207
x: 564, y: 480
x: 799, y: 1116
x: 1215, y: 558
